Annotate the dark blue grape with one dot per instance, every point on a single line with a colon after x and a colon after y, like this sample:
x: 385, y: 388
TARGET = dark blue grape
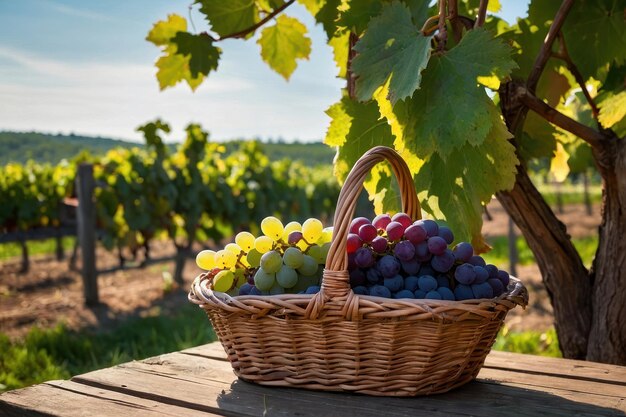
x: 404, y: 250
x: 496, y: 285
x: 404, y: 294
x: 394, y: 283
x: 419, y: 294
x: 463, y: 292
x: 411, y: 267
x: 246, y: 287
x: 446, y: 293
x: 483, y: 290
x: 388, y: 266
x: 422, y: 254
x: 380, y: 291
x: 431, y: 227
x: 364, y: 258
x: 463, y: 252
x: 433, y: 295
x: 446, y: 234
x: 426, y: 270
x: 360, y: 290
x: 443, y: 281
x: 504, y: 277
x: 410, y: 283
x: 313, y: 289
x: 493, y: 270
x: 357, y: 277
x: 465, y: 274
x: 436, y: 245
x: 351, y: 263
x: 373, y: 275
x: 477, y: 261
x: 427, y: 283
x: 443, y: 262
x: 255, y: 291
x: 482, y: 275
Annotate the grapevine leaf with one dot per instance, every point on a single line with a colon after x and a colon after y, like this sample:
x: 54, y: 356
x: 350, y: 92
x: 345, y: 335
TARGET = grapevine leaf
x: 340, y: 45
x: 612, y: 109
x: 313, y: 6
x: 494, y: 6
x: 558, y: 165
x: 164, y: 30
x: 228, y: 17
x: 394, y: 48
x: 457, y: 187
x: 537, y: 139
x: 581, y: 157
x: 173, y: 68
x: 358, y: 15
x: 203, y: 56
x: 327, y: 16
x: 283, y: 43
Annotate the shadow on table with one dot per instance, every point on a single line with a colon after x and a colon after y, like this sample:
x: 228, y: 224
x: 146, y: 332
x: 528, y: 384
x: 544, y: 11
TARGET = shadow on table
x: 474, y: 399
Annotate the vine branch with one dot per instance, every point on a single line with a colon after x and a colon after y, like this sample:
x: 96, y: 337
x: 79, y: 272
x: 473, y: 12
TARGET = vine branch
x: 552, y: 115
x: 546, y: 48
x: 442, y: 35
x: 257, y: 25
x: 482, y: 13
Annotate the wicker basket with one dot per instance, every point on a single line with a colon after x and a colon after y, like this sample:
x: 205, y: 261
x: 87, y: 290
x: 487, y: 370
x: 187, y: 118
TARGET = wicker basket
x: 336, y: 340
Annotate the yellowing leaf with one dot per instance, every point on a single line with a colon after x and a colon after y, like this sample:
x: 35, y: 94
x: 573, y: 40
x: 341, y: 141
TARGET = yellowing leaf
x: 283, y: 43
x: 164, y: 30
x: 613, y: 109
x: 558, y: 166
x: 341, y: 46
x: 494, y: 6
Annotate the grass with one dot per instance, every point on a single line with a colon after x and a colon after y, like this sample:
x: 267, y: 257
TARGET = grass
x: 60, y: 353
x: 531, y: 342
x: 570, y: 193
x: 35, y: 247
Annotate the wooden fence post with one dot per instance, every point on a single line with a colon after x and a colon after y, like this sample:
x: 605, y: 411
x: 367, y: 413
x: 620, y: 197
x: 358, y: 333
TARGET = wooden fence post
x: 87, y: 232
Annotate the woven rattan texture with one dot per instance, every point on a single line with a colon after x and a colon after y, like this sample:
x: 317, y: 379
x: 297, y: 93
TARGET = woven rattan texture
x: 336, y: 340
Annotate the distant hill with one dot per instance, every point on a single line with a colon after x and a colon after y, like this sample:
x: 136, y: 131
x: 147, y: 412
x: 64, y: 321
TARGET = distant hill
x: 43, y: 147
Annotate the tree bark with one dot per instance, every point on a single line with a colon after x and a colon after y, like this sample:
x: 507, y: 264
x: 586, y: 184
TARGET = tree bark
x: 182, y: 253
x: 587, y: 198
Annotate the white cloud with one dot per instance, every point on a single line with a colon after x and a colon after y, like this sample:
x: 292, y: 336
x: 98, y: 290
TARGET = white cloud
x: 75, y: 12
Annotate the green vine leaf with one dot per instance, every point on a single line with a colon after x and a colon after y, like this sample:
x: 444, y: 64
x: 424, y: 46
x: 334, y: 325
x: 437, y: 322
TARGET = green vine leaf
x: 228, y: 17
x: 392, y: 48
x: 284, y: 43
x: 203, y: 56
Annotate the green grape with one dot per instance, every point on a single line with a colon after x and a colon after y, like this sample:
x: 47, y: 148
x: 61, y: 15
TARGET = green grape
x: 223, y: 281
x: 245, y: 240
x: 327, y: 236
x: 272, y: 228
x: 312, y: 230
x: 254, y: 258
x: 317, y: 253
x: 325, y: 250
x: 225, y: 259
x: 293, y: 258
x: 309, y: 266
x: 264, y: 281
x: 291, y: 227
x: 305, y: 282
x: 287, y: 277
x: 206, y: 259
x: 240, y: 277
x: 234, y: 248
x: 271, y: 262
x: 277, y: 289
x: 263, y: 244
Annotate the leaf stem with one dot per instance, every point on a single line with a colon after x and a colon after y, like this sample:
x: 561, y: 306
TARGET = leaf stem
x: 257, y: 25
x: 442, y: 36
x: 482, y: 13
x: 350, y: 78
x: 191, y: 18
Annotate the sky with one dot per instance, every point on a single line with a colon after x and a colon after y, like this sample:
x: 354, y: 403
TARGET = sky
x: 84, y: 67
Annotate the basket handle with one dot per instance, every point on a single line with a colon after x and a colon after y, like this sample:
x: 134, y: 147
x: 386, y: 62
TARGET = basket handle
x: 336, y: 281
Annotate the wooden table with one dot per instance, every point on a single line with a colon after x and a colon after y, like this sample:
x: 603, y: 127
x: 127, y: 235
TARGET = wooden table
x: 199, y: 381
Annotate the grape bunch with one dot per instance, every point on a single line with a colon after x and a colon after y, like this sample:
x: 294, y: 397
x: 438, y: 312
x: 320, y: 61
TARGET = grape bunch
x: 285, y: 259
x: 395, y: 257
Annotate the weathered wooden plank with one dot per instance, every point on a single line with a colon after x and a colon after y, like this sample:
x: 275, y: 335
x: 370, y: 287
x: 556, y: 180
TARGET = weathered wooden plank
x: 70, y: 399
x: 213, y: 350
x: 207, y: 384
x: 567, y: 368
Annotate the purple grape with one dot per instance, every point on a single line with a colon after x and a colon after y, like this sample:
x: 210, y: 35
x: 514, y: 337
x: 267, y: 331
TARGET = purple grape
x: 442, y: 281
x: 411, y: 267
x: 246, y: 287
x: 388, y: 266
x: 360, y: 290
x: 477, y: 261
x: 433, y: 295
x: 379, y: 244
x: 465, y: 274
x: 463, y: 292
x: 294, y: 237
x: 493, y: 270
x: 255, y: 291
x: 443, y: 262
x: 404, y: 250
x: 415, y: 234
x: 373, y: 275
x: 419, y: 294
x: 463, y: 252
x: 250, y: 279
x: 354, y: 242
x: 422, y: 254
x: 427, y: 283
x: 483, y: 290
x: 426, y: 270
x: 504, y: 277
x: 394, y: 284
x: 482, y: 275
x: 381, y: 221
x: 446, y: 293
x: 404, y: 294
x: 357, y: 277
x: 380, y: 291
x: 395, y: 231
x: 357, y: 223
x: 403, y: 219
x: 437, y: 245
x: 367, y: 233
x: 431, y: 227
x: 496, y: 285
x: 446, y: 234
x: 313, y: 289
x: 351, y: 263
x: 363, y: 257
x: 410, y: 283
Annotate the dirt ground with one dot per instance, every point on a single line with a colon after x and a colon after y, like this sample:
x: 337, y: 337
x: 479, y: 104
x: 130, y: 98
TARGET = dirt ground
x: 51, y: 293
